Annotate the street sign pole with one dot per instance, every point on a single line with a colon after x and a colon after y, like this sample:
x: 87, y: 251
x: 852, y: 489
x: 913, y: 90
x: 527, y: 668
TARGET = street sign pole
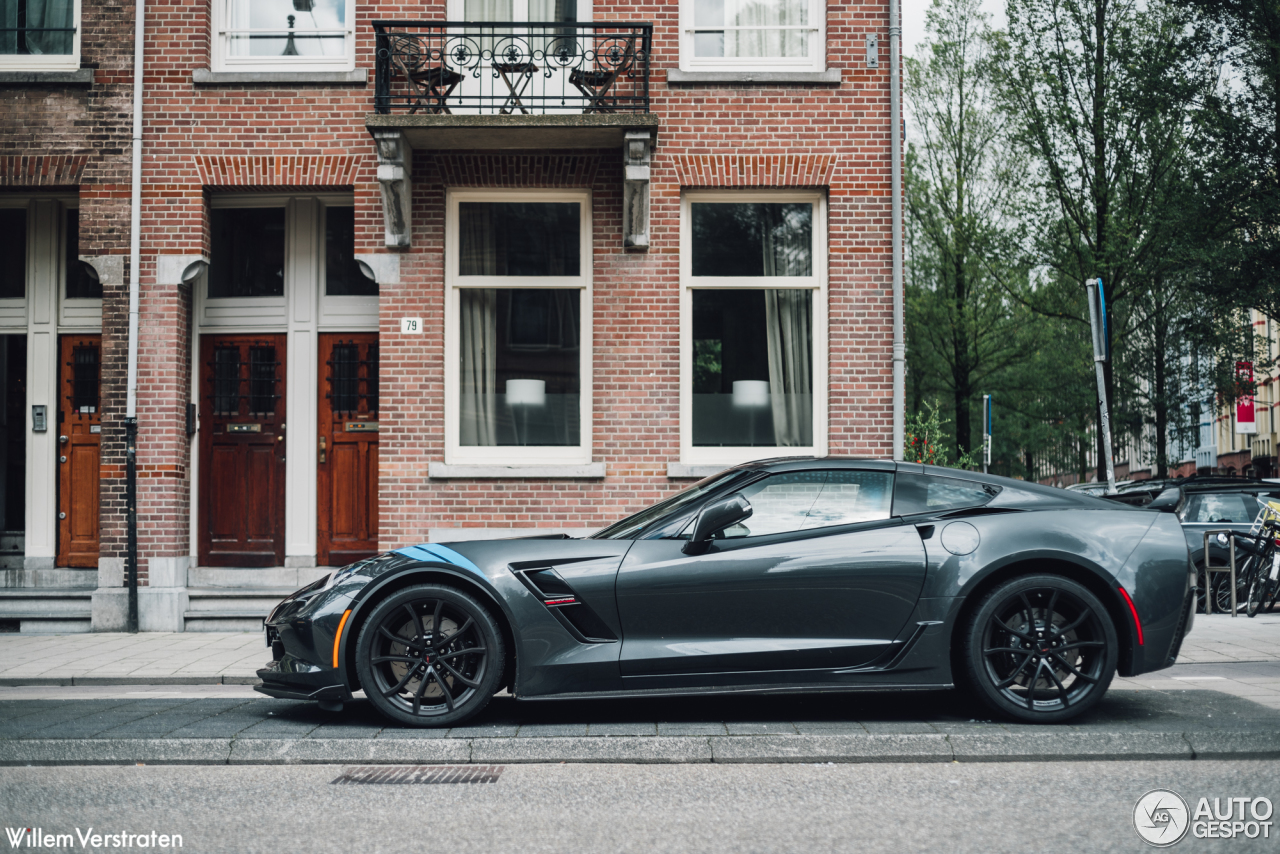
x: 986, y: 432
x: 1098, y: 322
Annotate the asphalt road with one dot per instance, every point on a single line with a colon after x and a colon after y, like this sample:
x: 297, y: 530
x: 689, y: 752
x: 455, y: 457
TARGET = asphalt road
x: 597, y: 809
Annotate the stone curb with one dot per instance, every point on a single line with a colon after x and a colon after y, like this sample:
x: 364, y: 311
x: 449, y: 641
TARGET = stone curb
x: 901, y: 748
x: 66, y: 681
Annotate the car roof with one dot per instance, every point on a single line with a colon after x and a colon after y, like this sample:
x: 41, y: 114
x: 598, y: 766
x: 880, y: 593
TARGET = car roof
x: 1047, y: 494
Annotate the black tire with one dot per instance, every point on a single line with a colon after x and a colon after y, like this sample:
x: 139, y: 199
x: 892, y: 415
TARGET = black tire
x: 415, y: 676
x: 1052, y: 623
x: 1257, y: 593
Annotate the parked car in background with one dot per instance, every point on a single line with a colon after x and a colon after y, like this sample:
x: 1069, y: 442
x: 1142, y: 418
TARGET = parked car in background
x: 1095, y: 488
x: 1209, y: 503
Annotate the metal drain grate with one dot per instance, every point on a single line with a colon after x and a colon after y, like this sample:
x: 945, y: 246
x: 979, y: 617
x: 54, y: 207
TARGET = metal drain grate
x: 420, y: 774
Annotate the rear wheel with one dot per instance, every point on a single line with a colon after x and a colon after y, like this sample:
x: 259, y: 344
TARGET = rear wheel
x: 430, y: 656
x: 1041, y: 649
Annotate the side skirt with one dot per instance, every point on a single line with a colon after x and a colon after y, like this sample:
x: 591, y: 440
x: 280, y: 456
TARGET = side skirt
x: 798, y: 688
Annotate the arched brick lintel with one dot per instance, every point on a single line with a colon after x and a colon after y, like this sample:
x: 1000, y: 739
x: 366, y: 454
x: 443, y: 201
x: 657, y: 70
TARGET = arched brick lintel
x: 755, y: 170
x: 42, y: 170
x: 246, y: 172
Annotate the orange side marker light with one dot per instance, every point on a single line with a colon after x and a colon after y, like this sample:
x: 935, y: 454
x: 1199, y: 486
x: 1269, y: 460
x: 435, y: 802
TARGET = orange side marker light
x: 337, y: 637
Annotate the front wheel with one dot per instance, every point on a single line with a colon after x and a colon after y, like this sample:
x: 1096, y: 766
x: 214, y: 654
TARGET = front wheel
x: 430, y: 656
x: 1040, y: 649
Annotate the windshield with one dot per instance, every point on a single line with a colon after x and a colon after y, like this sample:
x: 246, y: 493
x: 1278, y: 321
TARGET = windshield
x: 633, y: 525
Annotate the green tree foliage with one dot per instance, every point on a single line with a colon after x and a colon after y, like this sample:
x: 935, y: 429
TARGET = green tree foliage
x: 963, y: 186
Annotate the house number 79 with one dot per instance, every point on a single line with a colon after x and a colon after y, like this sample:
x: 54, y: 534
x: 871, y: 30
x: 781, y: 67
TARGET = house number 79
x: 411, y: 325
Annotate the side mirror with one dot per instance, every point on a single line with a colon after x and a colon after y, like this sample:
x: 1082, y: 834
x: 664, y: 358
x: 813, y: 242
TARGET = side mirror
x: 1167, y: 501
x: 716, y: 517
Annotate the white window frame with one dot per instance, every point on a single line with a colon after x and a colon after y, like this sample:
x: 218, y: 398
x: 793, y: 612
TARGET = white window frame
x: 55, y: 62
x: 455, y: 453
x: 222, y: 60
x: 689, y: 454
x: 815, y: 61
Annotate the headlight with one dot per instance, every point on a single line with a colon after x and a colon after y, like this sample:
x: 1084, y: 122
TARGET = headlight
x: 340, y: 574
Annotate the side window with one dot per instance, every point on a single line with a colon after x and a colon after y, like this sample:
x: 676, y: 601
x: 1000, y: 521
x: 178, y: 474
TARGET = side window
x: 917, y: 493
x: 801, y: 501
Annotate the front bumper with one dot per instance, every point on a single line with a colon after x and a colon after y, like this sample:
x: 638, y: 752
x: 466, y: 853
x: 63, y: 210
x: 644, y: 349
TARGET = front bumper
x: 301, y: 634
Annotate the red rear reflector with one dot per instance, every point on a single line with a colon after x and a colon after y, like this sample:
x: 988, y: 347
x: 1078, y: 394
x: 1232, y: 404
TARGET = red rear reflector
x: 1134, y: 611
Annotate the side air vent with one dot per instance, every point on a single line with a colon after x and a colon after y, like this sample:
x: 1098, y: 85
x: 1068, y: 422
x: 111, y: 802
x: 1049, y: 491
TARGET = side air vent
x: 563, y: 602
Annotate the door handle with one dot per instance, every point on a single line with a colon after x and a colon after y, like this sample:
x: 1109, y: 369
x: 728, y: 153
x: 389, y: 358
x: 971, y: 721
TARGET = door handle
x: 62, y: 459
x: 62, y: 440
x: 322, y: 454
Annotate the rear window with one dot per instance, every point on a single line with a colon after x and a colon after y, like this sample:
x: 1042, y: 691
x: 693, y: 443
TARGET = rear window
x: 918, y: 493
x: 1223, y: 507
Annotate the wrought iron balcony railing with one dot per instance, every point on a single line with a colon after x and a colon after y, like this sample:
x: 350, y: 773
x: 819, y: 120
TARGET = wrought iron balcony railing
x: 511, y: 68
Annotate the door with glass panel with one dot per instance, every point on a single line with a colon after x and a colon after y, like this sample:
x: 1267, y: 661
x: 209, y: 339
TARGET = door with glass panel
x: 79, y: 449
x: 752, y: 360
x: 519, y: 299
x: 242, y: 424
x: 347, y: 448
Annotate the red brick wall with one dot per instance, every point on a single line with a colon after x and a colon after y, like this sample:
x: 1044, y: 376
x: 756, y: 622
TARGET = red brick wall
x: 78, y: 137
x: 840, y: 134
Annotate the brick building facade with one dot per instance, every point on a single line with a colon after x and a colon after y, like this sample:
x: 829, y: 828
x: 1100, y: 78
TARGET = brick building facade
x: 396, y: 283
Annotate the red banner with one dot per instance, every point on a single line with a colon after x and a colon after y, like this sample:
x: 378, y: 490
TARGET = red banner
x: 1245, y: 422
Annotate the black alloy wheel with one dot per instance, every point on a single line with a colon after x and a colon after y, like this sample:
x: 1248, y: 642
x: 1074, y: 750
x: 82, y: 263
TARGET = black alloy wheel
x: 1040, y: 649
x: 430, y: 656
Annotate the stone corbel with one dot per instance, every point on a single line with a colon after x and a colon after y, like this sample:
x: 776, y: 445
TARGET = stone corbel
x: 382, y: 268
x: 109, y: 269
x: 395, y: 165
x: 637, y: 151
x: 179, y: 269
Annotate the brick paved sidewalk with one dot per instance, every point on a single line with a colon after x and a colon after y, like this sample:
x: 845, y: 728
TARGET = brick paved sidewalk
x: 233, y: 658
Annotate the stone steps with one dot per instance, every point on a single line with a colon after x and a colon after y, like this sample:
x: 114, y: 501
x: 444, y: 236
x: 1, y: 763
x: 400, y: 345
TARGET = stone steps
x: 47, y: 610
x: 230, y: 609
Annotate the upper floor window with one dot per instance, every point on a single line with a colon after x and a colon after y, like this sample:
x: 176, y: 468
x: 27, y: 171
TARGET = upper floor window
x: 306, y: 35
x: 732, y: 35
x: 539, y: 11
x: 40, y: 35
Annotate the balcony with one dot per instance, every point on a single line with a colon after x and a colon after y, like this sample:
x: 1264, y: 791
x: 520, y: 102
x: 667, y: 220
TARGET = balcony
x: 567, y: 84
x: 469, y: 86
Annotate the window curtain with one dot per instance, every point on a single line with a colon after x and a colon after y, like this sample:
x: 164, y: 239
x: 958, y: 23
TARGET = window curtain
x: 789, y: 320
x: 9, y: 19
x: 478, y: 255
x: 769, y: 42
x: 238, y: 19
x: 53, y: 14
x: 787, y: 249
x: 479, y: 320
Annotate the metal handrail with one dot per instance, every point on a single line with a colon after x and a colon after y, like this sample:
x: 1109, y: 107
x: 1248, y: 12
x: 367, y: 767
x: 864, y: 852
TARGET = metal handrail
x: 505, y: 67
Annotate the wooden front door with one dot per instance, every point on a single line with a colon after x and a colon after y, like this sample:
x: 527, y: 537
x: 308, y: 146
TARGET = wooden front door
x: 79, y: 449
x: 347, y: 449
x: 242, y: 423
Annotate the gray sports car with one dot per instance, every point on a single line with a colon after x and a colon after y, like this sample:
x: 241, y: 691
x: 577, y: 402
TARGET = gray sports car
x: 786, y: 575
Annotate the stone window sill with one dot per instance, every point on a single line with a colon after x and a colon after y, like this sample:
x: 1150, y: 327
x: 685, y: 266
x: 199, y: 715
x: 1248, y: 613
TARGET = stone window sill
x: 682, y: 470
x: 829, y: 77
x: 441, y: 471
x: 205, y: 77
x: 78, y: 77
